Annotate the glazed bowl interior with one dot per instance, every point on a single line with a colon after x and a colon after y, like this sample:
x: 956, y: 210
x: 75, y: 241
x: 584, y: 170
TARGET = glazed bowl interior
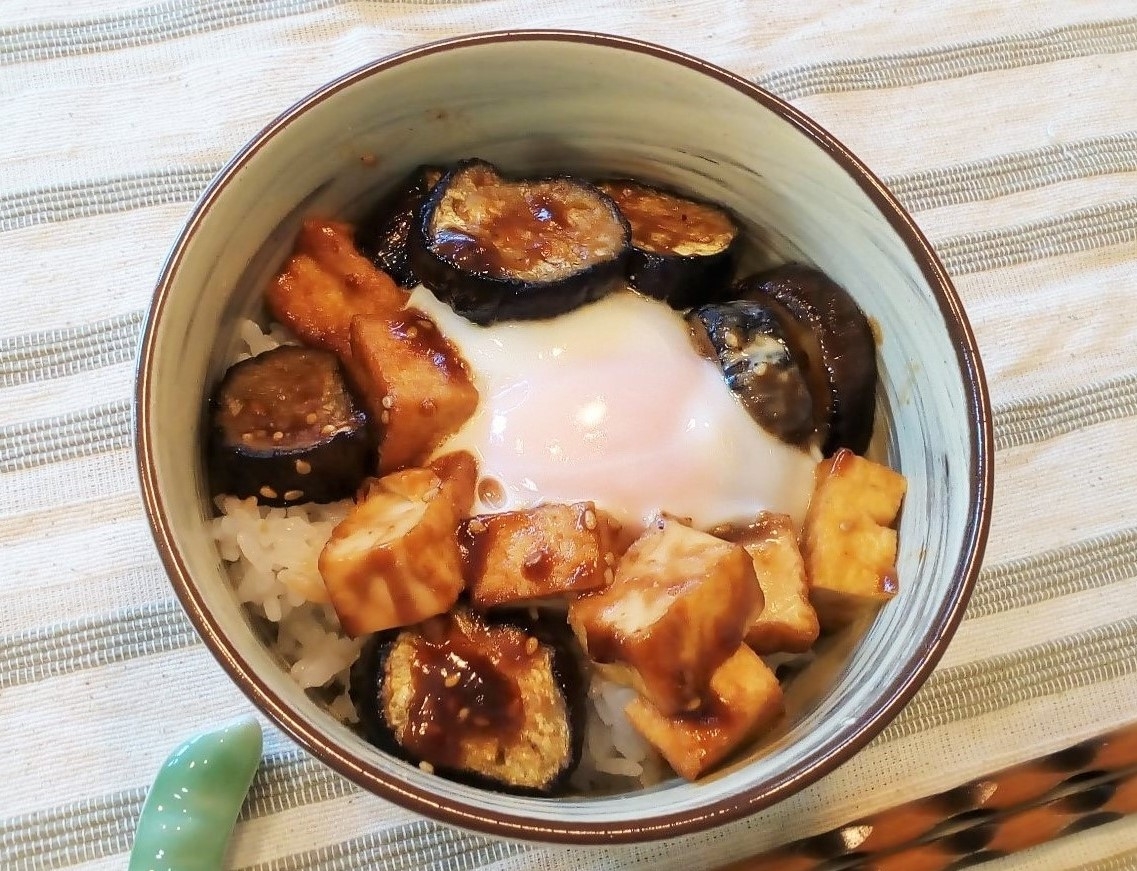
x: 586, y: 104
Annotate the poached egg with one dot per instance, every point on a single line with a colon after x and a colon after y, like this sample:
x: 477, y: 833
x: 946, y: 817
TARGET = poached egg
x: 611, y: 403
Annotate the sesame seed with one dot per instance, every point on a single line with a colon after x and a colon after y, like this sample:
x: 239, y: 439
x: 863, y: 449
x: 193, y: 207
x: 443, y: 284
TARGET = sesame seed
x: 426, y: 766
x: 694, y: 704
x: 424, y: 324
x: 533, y: 613
x: 476, y: 526
x: 327, y: 429
x: 293, y: 495
x: 278, y: 436
x: 303, y: 467
x: 608, y: 576
x: 385, y: 417
x: 451, y: 681
x: 589, y: 519
x: 267, y: 492
x: 387, y: 401
x: 531, y: 646
x: 731, y: 340
x: 310, y: 418
x: 246, y: 436
x: 610, y: 559
x: 463, y: 713
x: 412, y: 332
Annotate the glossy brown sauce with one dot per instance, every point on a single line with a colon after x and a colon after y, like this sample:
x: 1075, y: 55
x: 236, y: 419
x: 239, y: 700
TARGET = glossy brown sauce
x: 523, y: 230
x: 475, y: 536
x: 285, y: 399
x: 491, y: 492
x: 713, y: 716
x: 426, y: 340
x: 663, y: 223
x: 464, y: 686
x: 538, y: 566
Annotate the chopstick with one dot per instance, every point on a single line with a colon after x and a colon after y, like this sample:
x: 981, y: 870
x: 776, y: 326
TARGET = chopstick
x: 1016, y: 808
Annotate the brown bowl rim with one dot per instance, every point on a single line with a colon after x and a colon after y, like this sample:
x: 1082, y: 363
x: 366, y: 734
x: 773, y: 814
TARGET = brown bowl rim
x: 519, y: 826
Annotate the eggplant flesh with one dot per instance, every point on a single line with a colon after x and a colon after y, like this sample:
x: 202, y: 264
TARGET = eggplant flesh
x: 492, y: 703
x: 683, y: 250
x: 385, y: 236
x: 748, y: 343
x: 286, y: 429
x: 834, y: 342
x: 513, y: 249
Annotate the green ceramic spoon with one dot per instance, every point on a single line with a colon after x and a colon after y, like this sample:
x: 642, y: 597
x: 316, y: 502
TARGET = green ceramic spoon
x: 190, y: 810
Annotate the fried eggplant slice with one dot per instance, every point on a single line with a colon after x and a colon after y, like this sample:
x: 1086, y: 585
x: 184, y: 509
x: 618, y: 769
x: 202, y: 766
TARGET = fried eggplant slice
x: 834, y: 344
x: 413, y: 381
x: 847, y: 541
x: 750, y: 346
x: 394, y: 559
x: 326, y: 283
x: 683, y: 250
x: 787, y: 622
x: 385, y: 236
x: 488, y: 702
x: 744, y: 700
x: 507, y: 249
x: 517, y: 557
x: 677, y: 609
x: 286, y: 429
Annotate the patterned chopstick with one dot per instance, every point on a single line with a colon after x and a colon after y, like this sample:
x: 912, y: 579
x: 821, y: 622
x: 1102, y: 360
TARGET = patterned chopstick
x: 1016, y: 808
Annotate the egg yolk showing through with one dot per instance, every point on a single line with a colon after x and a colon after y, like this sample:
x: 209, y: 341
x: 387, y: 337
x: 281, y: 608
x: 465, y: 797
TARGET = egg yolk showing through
x: 612, y: 403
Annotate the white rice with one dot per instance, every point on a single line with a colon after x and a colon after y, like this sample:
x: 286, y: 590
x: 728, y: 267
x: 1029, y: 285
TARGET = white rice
x: 271, y: 556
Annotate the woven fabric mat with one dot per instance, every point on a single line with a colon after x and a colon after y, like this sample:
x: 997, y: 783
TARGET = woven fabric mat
x: 1010, y: 130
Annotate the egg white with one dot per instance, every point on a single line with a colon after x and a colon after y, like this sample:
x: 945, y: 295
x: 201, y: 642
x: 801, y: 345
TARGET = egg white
x: 611, y: 403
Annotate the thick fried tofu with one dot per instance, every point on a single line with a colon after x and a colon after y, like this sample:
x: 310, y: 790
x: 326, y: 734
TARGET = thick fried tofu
x: 744, y: 699
x: 550, y: 550
x: 394, y: 559
x: 326, y: 283
x: 847, y: 543
x: 454, y: 474
x: 677, y: 609
x: 413, y: 381
x: 787, y: 622
x: 459, y: 473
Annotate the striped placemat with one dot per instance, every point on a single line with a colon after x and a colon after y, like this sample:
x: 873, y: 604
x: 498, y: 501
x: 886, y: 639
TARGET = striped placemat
x: 1009, y: 130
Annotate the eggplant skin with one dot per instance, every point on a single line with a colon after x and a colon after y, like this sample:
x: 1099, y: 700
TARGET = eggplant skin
x: 375, y: 664
x: 750, y: 346
x: 473, y: 268
x: 833, y: 342
x: 384, y: 236
x: 684, y: 250
x: 309, y: 465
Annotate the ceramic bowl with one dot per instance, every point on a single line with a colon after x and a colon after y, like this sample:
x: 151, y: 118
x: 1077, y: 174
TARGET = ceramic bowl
x: 589, y: 104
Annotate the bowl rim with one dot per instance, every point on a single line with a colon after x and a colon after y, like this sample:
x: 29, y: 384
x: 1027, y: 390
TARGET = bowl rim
x: 469, y: 816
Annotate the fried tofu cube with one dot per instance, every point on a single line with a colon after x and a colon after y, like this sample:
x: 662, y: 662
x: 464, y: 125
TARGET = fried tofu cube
x: 847, y: 543
x: 413, y: 381
x: 326, y: 283
x: 394, y: 560
x: 787, y: 622
x: 676, y: 610
x: 519, y: 556
x: 459, y: 473
x: 744, y: 699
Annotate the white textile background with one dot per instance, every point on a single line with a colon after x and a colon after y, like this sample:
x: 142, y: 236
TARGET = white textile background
x: 1010, y: 130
